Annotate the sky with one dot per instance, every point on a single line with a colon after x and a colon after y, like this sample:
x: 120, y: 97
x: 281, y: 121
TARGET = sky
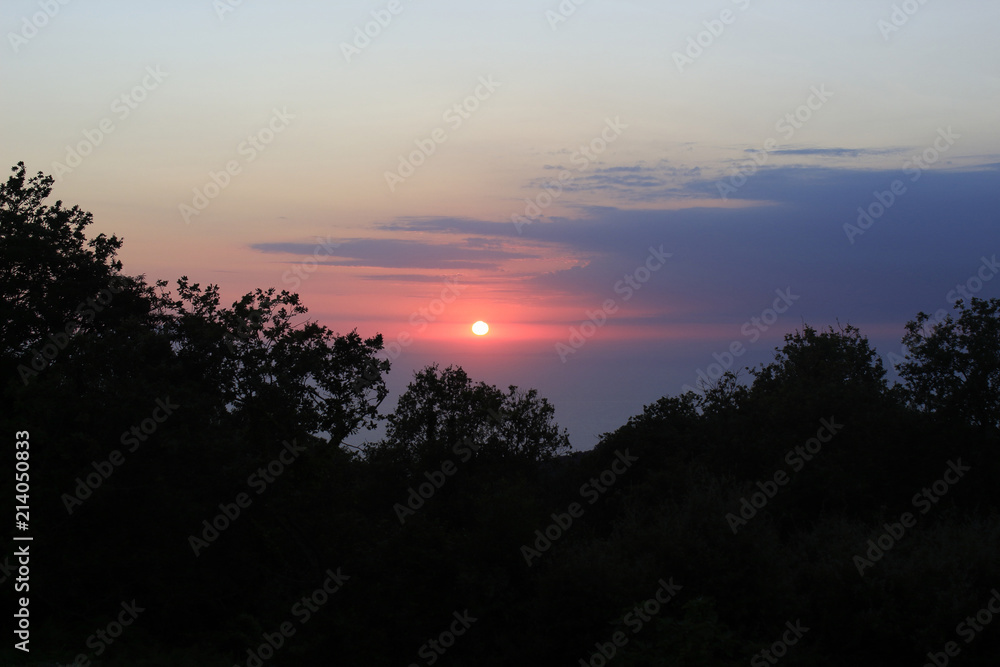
x: 634, y: 195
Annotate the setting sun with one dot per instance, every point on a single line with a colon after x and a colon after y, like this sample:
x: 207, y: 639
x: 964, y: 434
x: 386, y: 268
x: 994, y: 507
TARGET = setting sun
x: 480, y: 328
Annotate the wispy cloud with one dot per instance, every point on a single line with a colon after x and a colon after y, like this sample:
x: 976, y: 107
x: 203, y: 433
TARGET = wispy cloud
x: 836, y: 152
x: 724, y: 259
x: 727, y: 259
x: 404, y: 254
x: 638, y: 182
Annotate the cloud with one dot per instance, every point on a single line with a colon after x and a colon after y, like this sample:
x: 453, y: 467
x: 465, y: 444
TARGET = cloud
x: 408, y: 278
x: 728, y: 262
x: 835, y: 152
x: 445, y: 224
x: 403, y: 254
x: 639, y: 182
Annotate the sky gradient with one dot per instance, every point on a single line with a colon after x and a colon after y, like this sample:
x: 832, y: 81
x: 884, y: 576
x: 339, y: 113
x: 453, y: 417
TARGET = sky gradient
x: 660, y: 178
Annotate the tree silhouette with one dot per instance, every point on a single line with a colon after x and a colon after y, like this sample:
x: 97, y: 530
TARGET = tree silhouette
x: 818, y: 373
x: 275, y: 375
x: 55, y: 284
x: 443, y: 411
x: 953, y: 369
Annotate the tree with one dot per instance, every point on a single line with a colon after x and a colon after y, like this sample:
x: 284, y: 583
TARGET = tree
x: 818, y: 373
x: 724, y: 396
x: 54, y: 283
x: 444, y: 412
x: 64, y: 297
x: 953, y: 368
x: 152, y: 410
x: 275, y: 377
x: 814, y: 360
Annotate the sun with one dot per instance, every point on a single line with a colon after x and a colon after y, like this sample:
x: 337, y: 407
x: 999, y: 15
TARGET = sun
x: 480, y: 328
